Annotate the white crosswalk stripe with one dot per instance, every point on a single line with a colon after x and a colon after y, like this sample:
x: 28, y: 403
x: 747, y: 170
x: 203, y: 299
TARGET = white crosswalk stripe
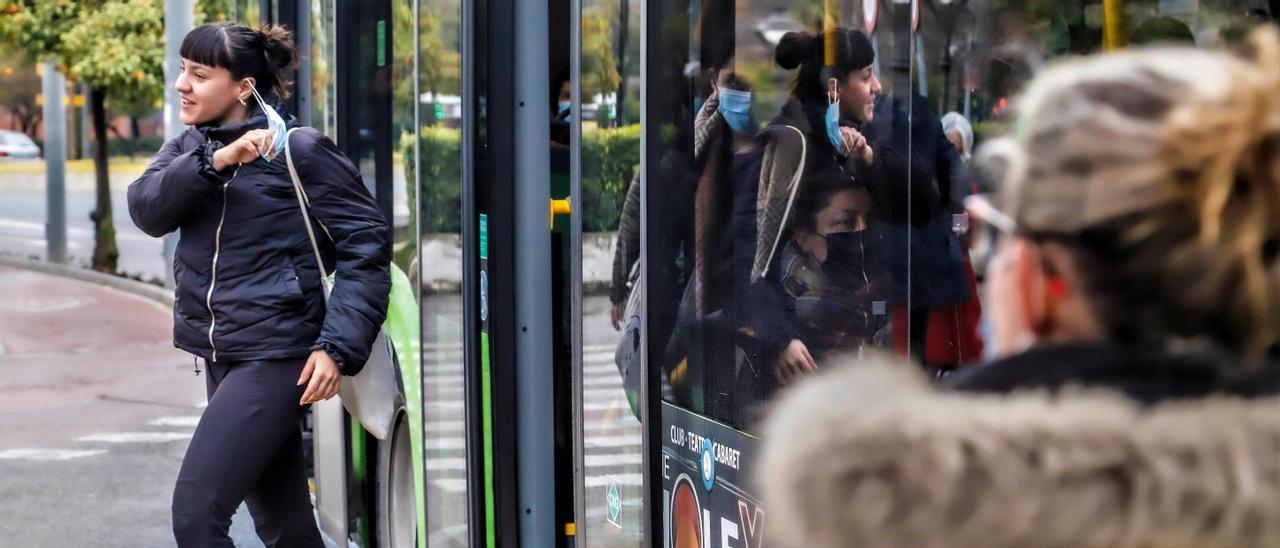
x: 621, y: 479
x: 613, y: 440
x: 457, y: 425
x: 136, y: 437
x: 454, y: 370
x: 459, y: 485
x: 48, y: 454
x: 590, y: 461
x: 632, y: 440
x: 454, y: 381
x: 190, y: 421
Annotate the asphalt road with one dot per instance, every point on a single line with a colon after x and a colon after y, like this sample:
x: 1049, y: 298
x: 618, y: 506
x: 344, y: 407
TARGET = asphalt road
x: 23, y: 215
x: 97, y: 411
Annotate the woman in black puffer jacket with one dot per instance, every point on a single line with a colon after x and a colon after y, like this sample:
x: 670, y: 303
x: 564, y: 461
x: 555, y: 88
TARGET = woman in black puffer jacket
x: 248, y: 298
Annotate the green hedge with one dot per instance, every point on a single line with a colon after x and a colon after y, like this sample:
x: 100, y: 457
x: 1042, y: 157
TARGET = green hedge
x: 441, y: 182
x: 609, y: 159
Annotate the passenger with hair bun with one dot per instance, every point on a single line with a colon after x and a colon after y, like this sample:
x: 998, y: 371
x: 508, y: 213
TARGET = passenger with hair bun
x: 814, y: 133
x: 1135, y: 400
x: 248, y: 295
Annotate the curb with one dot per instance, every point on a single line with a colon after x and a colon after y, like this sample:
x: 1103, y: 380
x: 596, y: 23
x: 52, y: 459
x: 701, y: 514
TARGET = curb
x: 155, y: 293
x: 164, y: 295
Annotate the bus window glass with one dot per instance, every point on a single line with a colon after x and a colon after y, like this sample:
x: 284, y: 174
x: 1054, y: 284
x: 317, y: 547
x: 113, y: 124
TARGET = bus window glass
x: 609, y: 114
x: 430, y: 152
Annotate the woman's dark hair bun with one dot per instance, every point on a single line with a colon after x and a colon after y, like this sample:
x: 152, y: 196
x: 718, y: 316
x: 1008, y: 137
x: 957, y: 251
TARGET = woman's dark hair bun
x: 281, y: 56
x: 794, y: 48
x: 277, y: 42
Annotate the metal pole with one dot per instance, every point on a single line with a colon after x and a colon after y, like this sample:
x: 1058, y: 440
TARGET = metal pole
x: 535, y: 423
x: 921, y: 68
x: 55, y: 158
x: 575, y: 252
x: 179, y: 19
x: 1115, y: 33
x: 302, y: 89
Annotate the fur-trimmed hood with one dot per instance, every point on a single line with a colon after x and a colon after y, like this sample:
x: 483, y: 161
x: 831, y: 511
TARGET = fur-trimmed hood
x: 870, y: 455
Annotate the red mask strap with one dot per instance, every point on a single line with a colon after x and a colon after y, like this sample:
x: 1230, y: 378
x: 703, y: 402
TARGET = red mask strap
x: 1057, y: 287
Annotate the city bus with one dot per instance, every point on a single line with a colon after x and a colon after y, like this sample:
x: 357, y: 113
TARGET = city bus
x: 562, y: 371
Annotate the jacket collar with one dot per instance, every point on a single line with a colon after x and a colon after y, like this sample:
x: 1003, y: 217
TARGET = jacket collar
x: 257, y: 119
x: 1146, y: 374
x: 925, y: 467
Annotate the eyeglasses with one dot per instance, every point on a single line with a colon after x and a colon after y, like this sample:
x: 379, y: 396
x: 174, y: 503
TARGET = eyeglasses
x: 980, y: 207
x: 993, y: 225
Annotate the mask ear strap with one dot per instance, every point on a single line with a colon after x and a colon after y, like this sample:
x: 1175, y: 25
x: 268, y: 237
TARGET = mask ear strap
x: 1056, y: 286
x: 256, y: 96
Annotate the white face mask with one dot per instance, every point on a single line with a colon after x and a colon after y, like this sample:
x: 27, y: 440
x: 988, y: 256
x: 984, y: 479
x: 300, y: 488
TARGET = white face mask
x: 274, y: 123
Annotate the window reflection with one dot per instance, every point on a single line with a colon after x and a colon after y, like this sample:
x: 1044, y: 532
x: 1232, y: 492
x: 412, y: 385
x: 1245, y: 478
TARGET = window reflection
x: 806, y: 167
x: 430, y: 153
x: 610, y: 206
x: 323, y: 67
x: 809, y: 168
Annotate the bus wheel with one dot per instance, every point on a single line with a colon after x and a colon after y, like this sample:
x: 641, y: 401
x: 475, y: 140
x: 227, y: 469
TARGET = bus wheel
x: 397, y: 512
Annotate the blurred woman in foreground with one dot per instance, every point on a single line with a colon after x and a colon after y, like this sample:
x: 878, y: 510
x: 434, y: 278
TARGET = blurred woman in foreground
x: 1136, y: 307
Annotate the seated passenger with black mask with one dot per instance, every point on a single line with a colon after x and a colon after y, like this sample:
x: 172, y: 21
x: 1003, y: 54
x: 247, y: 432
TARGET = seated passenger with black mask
x: 819, y: 298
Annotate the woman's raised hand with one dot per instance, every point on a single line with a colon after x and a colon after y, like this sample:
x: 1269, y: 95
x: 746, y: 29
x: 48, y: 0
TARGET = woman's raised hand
x: 246, y: 149
x: 856, y: 145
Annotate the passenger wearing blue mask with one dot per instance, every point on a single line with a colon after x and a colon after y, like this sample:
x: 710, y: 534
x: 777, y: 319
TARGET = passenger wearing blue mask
x: 248, y: 300
x: 829, y: 98
x: 561, y: 108
x: 562, y: 93
x: 815, y: 132
x: 735, y: 107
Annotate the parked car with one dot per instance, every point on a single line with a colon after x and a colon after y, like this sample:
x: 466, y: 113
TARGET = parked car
x: 17, y: 146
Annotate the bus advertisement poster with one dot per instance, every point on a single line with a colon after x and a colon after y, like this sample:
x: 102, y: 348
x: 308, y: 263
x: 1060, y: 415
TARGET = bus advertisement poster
x: 706, y: 484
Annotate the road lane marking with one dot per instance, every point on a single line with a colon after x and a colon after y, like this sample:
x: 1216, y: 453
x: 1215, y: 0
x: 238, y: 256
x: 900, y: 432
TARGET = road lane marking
x: 136, y: 437
x: 191, y: 421
x: 620, y: 479
x: 48, y: 454
x: 596, y: 442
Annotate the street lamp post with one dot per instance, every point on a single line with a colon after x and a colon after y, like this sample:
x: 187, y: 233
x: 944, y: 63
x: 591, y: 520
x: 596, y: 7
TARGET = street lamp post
x: 55, y: 158
x: 179, y: 18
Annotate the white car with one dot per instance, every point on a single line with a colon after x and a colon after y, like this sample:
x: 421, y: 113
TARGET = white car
x: 17, y: 146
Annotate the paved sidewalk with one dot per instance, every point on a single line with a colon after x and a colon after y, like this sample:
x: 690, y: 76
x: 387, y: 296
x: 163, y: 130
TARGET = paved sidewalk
x: 96, y: 413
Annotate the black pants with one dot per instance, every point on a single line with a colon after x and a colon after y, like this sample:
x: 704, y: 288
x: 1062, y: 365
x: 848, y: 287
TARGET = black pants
x: 247, y: 447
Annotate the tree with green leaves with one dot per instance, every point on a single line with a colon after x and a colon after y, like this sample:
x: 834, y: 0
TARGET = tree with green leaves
x: 212, y: 11
x: 116, y: 47
x: 439, y: 62
x: 599, y: 64
x: 19, y: 86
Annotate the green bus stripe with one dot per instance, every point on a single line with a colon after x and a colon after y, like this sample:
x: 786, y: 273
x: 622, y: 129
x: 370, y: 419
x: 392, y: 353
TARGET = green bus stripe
x: 486, y: 388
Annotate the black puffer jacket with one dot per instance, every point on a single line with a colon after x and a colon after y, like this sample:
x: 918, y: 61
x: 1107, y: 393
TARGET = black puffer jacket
x: 247, y: 284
